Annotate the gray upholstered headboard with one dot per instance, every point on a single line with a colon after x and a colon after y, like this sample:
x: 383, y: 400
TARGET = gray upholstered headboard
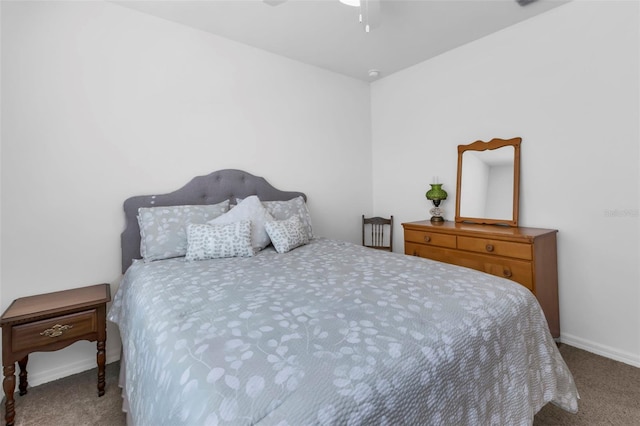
x: 210, y: 189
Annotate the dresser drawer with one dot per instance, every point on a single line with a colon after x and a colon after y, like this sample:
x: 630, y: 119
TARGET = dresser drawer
x: 430, y: 238
x: 496, y: 247
x: 41, y: 333
x: 515, y: 270
x: 421, y: 250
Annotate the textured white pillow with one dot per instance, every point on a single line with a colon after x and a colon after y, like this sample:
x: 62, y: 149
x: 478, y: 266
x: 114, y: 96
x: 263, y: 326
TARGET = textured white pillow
x: 163, y: 230
x: 250, y: 209
x: 287, y: 234
x: 218, y: 241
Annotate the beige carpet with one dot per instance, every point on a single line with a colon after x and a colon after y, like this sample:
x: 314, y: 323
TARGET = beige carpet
x: 72, y: 401
x: 609, y: 390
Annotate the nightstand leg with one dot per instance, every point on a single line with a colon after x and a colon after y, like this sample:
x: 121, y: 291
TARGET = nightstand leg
x: 9, y: 384
x: 23, y: 375
x: 101, y: 362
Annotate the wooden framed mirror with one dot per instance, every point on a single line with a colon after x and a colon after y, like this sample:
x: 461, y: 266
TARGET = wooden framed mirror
x: 488, y: 187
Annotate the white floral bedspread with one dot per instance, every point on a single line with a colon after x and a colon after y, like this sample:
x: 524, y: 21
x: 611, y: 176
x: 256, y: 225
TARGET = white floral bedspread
x: 333, y: 333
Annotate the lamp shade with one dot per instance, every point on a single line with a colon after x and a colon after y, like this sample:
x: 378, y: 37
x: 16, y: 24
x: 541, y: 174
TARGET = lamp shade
x: 436, y: 193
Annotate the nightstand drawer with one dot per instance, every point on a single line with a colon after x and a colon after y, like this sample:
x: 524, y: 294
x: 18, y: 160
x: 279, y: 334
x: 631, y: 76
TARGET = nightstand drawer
x: 430, y: 238
x: 41, y: 333
x: 495, y: 247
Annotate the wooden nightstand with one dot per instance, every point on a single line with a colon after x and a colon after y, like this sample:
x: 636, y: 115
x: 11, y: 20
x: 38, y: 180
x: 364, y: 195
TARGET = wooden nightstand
x: 48, y: 322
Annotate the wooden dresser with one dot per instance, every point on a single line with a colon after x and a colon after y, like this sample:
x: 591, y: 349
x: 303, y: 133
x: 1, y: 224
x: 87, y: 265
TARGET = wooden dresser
x: 527, y: 256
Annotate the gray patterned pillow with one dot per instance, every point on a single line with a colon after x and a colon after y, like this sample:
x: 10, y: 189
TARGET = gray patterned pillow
x: 281, y: 210
x: 287, y: 234
x: 163, y: 230
x: 249, y: 209
x: 218, y: 241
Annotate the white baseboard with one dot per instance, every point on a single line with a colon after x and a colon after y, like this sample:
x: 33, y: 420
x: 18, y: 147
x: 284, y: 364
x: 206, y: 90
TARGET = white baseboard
x: 49, y: 375
x: 603, y: 350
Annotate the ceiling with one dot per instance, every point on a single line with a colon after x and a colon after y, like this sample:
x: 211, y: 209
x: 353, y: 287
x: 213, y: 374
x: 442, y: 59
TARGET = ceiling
x: 327, y: 33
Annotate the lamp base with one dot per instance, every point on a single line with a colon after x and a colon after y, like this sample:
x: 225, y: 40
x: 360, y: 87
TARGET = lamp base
x: 436, y: 214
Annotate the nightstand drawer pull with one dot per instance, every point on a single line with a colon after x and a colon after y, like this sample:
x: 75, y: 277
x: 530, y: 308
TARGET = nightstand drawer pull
x: 507, y: 273
x: 56, y: 330
x: 489, y: 247
x: 427, y: 238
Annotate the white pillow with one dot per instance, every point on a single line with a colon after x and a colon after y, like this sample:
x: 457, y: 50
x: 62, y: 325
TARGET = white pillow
x: 218, y: 241
x: 163, y: 230
x: 250, y: 209
x: 287, y: 234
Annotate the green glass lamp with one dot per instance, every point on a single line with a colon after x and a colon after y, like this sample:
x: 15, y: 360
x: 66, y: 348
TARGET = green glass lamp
x: 436, y: 194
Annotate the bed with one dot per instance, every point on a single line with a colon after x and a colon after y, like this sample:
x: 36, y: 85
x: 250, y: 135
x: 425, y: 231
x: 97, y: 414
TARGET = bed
x: 318, y: 331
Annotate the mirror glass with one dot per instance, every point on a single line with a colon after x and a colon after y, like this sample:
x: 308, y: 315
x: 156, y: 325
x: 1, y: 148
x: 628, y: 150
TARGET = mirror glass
x: 488, y: 182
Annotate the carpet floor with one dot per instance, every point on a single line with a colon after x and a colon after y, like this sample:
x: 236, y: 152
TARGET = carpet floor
x: 609, y: 392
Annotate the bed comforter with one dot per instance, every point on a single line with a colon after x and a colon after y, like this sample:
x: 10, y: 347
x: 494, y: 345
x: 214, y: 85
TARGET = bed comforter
x: 333, y: 333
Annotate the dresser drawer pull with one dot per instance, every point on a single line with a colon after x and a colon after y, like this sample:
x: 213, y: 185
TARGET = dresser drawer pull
x: 56, y: 330
x: 489, y: 247
x: 427, y: 239
x: 507, y: 273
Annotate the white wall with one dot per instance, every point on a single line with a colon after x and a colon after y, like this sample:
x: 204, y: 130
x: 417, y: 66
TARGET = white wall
x: 567, y: 82
x: 100, y: 102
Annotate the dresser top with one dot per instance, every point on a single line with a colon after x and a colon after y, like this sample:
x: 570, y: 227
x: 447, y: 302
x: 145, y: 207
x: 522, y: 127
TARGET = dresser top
x: 57, y: 302
x: 458, y: 228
